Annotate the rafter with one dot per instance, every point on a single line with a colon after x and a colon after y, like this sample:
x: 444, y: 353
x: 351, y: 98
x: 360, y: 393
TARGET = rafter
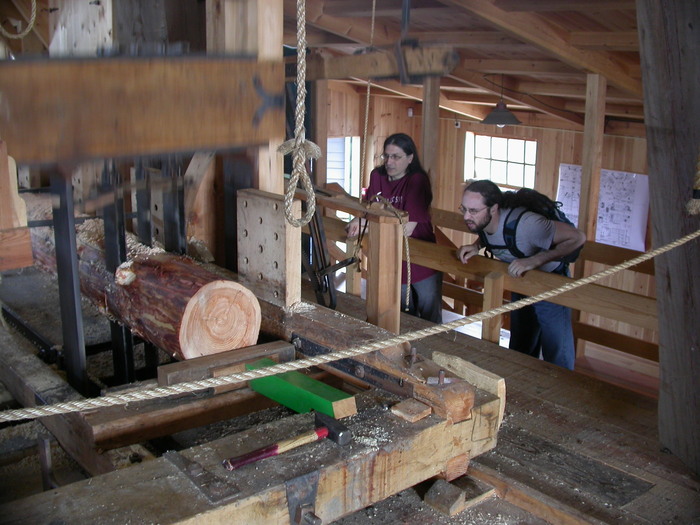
x: 563, y: 5
x: 473, y: 111
x: 518, y: 67
x: 534, y: 30
x: 512, y: 92
x: 605, y: 40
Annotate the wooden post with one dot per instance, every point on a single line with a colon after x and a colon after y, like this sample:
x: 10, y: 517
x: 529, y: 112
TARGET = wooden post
x: 431, y: 128
x: 493, y: 298
x: 252, y: 27
x: 384, y: 275
x: 592, y: 154
x: 668, y: 34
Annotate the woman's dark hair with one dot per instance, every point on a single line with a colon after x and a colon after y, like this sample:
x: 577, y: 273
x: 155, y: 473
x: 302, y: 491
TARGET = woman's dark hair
x: 406, y: 143
x: 491, y: 193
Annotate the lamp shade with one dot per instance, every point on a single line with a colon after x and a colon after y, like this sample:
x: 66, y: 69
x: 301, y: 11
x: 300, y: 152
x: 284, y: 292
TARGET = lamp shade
x: 500, y: 116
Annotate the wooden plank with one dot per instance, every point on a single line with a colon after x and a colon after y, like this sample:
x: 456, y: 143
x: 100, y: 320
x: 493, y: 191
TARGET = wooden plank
x: 203, y: 367
x: 301, y: 393
x: 15, y: 249
x: 627, y: 344
x: 608, y: 302
x: 61, y: 120
x: 200, y: 199
x: 13, y: 213
x: 411, y: 410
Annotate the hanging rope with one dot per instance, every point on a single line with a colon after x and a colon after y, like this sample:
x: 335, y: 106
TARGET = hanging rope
x: 24, y: 33
x: 193, y: 386
x: 693, y: 205
x: 302, y: 149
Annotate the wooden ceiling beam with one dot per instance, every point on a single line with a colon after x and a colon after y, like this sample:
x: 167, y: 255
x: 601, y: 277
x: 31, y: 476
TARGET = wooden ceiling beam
x: 563, y: 5
x: 467, y: 39
x: 355, y: 29
x: 605, y: 40
x: 518, y: 67
x: 473, y: 111
x: 535, y: 30
x: 511, y: 92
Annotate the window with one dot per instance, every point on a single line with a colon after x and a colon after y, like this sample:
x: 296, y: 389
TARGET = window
x: 507, y: 162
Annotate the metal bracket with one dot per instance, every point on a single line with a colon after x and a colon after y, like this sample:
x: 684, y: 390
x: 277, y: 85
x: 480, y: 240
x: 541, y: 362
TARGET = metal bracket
x: 301, y: 499
x: 214, y: 488
x: 269, y: 101
x: 356, y: 369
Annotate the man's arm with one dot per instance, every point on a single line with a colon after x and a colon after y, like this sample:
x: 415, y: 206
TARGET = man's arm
x: 566, y: 240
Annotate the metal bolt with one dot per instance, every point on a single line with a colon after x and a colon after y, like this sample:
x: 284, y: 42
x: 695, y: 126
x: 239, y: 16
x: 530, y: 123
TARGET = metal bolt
x: 441, y: 377
x: 360, y: 371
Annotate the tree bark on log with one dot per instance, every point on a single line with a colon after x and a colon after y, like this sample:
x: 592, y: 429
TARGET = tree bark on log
x: 167, y: 299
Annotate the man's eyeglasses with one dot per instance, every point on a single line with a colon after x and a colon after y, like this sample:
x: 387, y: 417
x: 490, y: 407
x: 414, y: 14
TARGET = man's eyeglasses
x: 470, y: 211
x: 391, y: 157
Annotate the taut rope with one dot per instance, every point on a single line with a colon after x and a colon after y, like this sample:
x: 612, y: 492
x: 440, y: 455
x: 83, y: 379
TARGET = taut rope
x: 140, y: 395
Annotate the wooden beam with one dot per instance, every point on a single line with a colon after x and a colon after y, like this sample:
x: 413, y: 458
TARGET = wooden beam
x: 607, y: 302
x: 254, y: 28
x: 563, y: 5
x: 78, y: 109
x: 623, y: 343
x: 436, y: 60
x: 512, y: 92
x: 539, y: 32
x: 384, y: 280
x: 493, y: 298
x: 668, y: 36
x: 517, y: 67
x: 592, y: 156
x: 430, y: 128
x: 605, y: 40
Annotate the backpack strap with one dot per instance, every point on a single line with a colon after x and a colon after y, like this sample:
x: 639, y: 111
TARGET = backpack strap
x: 509, y: 228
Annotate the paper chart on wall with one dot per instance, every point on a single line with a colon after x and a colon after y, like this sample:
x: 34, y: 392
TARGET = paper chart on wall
x: 623, y: 205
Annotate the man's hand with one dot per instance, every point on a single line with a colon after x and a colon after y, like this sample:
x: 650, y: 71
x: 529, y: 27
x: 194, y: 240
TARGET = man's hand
x: 518, y: 267
x: 467, y: 251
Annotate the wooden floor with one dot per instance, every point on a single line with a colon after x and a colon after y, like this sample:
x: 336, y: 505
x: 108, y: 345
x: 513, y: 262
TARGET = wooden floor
x: 571, y: 449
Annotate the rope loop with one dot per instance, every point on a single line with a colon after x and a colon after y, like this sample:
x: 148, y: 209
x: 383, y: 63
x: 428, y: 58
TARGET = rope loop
x: 24, y: 33
x: 301, y: 148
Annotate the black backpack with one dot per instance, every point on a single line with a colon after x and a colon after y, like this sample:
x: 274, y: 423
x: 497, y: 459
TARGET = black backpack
x: 533, y: 201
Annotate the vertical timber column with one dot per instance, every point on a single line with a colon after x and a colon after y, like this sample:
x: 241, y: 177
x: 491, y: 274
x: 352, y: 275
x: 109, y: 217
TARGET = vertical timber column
x: 592, y: 154
x: 493, y: 298
x: 252, y: 27
x: 668, y: 41
x: 431, y: 128
x: 383, y: 278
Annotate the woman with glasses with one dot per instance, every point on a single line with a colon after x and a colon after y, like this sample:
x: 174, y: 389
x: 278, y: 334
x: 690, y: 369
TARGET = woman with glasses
x: 402, y: 181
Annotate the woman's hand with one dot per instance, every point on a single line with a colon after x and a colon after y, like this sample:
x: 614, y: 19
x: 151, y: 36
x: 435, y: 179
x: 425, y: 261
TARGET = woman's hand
x: 354, y: 227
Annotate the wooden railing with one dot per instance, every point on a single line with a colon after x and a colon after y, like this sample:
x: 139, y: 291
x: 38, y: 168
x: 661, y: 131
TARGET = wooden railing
x: 605, y: 301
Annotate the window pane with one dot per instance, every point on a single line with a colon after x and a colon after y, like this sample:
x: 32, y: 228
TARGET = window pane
x: 515, y: 174
x: 469, y: 156
x: 499, y: 148
x: 530, y: 152
x: 483, y: 146
x: 516, y: 150
x: 482, y: 168
x: 529, y: 181
x: 498, y: 172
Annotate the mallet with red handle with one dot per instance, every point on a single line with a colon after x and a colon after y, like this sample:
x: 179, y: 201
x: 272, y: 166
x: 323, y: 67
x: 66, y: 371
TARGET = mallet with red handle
x: 326, y: 427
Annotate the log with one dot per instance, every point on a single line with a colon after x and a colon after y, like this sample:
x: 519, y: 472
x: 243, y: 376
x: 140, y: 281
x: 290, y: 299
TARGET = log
x: 166, y: 299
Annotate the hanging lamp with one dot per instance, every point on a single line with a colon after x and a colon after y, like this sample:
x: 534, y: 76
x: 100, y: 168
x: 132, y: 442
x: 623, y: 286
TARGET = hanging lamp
x: 500, y: 115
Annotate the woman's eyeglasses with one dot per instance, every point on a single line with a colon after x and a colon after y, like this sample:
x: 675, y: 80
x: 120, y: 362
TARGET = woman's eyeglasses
x: 391, y: 157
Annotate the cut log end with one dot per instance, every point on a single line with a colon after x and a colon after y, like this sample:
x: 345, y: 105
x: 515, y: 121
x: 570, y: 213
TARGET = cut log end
x: 222, y: 315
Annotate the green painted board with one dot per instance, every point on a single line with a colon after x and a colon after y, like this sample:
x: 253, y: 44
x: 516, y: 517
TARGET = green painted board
x: 302, y: 393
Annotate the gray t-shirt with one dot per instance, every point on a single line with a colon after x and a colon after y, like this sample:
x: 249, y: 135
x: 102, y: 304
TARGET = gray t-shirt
x: 534, y: 234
